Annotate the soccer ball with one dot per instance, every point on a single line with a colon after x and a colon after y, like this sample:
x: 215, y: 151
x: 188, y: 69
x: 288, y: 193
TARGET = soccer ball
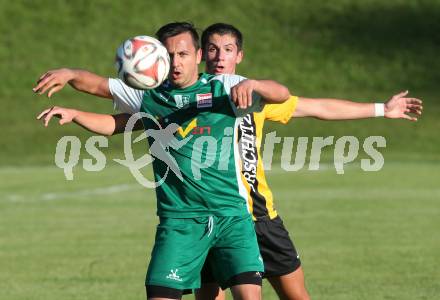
x: 142, y: 62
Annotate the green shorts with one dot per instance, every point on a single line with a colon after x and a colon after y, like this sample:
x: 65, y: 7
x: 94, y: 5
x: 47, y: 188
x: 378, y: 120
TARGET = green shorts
x: 182, y: 245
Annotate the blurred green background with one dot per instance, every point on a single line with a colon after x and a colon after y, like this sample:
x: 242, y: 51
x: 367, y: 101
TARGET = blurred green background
x: 360, y: 50
x: 361, y: 235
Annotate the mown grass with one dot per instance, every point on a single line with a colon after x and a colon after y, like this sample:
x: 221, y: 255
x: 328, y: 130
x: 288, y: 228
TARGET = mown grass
x: 360, y: 235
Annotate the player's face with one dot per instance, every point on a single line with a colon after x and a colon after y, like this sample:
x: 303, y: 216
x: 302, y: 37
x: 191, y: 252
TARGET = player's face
x: 221, y: 54
x: 184, y: 60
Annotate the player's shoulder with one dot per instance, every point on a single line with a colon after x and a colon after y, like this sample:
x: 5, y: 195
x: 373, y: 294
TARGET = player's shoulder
x: 226, y: 78
x: 227, y: 81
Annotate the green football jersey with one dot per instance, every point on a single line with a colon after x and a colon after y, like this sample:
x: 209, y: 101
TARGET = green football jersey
x: 199, y: 161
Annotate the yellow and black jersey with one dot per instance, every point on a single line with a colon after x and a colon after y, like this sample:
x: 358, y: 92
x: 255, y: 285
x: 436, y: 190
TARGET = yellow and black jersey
x: 260, y: 199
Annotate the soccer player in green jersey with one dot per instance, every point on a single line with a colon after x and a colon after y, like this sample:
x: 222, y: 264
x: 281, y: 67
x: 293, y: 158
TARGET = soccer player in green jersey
x: 207, y: 211
x: 222, y: 46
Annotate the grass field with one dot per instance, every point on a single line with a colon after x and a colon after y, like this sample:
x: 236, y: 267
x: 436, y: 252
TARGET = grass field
x: 361, y: 235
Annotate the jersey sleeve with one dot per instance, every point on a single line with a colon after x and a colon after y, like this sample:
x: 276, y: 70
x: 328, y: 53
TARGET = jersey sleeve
x: 125, y: 98
x: 281, y: 112
x: 230, y: 81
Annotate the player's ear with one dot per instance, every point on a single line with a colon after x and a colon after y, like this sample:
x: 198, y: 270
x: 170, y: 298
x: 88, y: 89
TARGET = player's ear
x: 199, y: 55
x: 239, y: 56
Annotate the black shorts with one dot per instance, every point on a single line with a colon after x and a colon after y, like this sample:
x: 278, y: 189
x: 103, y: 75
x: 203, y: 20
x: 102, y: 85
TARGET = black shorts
x: 207, y: 276
x: 276, y: 248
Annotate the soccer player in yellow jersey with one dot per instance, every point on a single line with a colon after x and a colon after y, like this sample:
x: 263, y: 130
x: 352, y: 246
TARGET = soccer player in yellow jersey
x: 222, y: 51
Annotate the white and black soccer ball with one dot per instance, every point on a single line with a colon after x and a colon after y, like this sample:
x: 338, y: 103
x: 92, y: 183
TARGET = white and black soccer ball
x: 142, y: 62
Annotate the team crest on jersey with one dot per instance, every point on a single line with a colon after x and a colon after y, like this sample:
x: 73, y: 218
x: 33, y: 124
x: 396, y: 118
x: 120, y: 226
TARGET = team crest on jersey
x: 181, y: 100
x: 204, y: 100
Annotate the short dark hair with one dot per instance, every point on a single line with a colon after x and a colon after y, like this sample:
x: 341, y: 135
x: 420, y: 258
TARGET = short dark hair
x: 176, y: 28
x: 222, y: 29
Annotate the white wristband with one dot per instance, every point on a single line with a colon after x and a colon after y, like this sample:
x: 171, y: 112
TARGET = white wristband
x: 379, y: 109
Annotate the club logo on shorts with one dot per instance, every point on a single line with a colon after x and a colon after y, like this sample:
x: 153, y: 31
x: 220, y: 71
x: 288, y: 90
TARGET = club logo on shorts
x: 173, y: 275
x: 204, y: 100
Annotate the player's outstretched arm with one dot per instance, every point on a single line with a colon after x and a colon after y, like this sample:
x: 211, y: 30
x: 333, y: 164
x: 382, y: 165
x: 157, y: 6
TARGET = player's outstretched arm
x: 271, y: 91
x: 398, y: 107
x: 103, y: 124
x: 54, y: 80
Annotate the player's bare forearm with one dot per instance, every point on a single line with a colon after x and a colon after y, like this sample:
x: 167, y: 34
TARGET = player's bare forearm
x: 91, y: 83
x: 397, y: 107
x: 271, y: 91
x: 103, y: 124
x: 54, y: 80
x: 333, y: 109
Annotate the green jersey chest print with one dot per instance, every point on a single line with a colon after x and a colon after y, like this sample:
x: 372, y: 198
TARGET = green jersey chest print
x: 192, y: 134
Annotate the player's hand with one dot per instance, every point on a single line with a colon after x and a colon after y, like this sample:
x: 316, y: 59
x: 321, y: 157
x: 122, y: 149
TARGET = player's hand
x: 65, y: 115
x: 401, y: 107
x: 242, y: 93
x: 52, y: 81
